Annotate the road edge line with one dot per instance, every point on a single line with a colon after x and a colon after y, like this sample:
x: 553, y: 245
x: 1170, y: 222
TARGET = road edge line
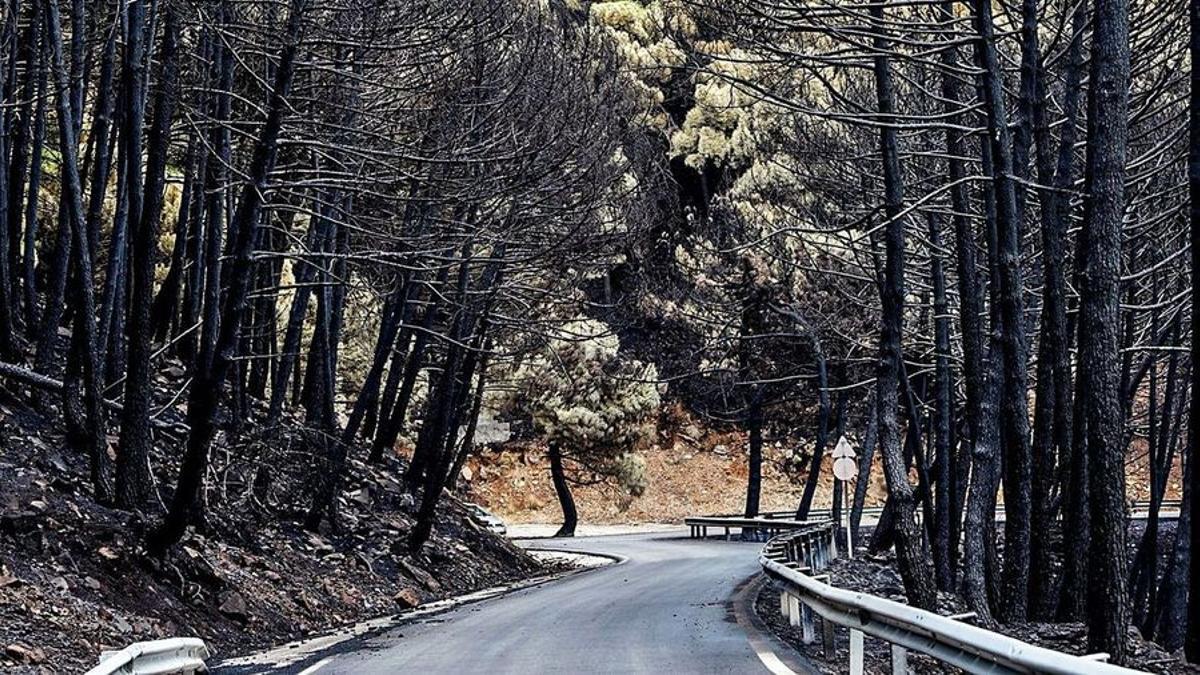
x: 776, y: 655
x: 332, y: 641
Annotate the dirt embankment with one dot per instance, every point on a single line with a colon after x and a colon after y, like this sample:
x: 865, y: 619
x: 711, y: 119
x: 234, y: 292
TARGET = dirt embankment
x: 693, y: 470
x: 74, y: 579
x: 690, y: 470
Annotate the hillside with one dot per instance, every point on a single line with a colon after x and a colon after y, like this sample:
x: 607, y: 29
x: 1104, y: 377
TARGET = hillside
x: 690, y: 469
x: 75, y: 578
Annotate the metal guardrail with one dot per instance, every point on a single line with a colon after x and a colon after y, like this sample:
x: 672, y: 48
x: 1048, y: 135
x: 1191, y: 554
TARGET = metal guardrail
x: 158, y: 657
x: 826, y: 513
x: 763, y: 526
x: 815, y: 513
x: 794, y: 561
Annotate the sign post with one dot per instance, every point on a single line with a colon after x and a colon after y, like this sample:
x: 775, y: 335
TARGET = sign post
x: 845, y: 469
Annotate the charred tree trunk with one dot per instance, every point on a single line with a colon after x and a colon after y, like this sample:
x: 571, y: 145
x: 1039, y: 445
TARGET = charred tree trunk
x: 8, y: 350
x: 1052, y: 436
x: 85, y: 333
x: 1017, y: 461
x: 823, y: 414
x: 754, y: 424
x: 1099, y: 343
x: 869, y: 442
x: 32, y: 224
x: 133, y: 461
x: 970, y: 294
x: 1192, y: 639
x: 305, y: 273
x: 391, y: 425
x: 163, y: 308
x: 943, y: 396
x: 368, y: 395
x: 21, y: 165
x: 54, y: 302
x: 1172, y: 619
x: 1143, y: 575
x: 468, y: 440
x: 563, y: 489
x: 911, y: 555
x: 979, y: 565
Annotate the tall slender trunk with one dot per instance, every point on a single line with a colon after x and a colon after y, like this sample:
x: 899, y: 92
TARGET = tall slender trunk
x: 133, y: 472
x: 869, y: 442
x: 970, y: 294
x: 911, y: 554
x: 85, y: 327
x: 563, y: 489
x: 432, y: 439
x: 1017, y: 462
x: 980, y: 587
x: 22, y: 142
x: 1052, y: 436
x: 305, y: 273
x: 468, y: 440
x: 163, y: 309
x: 943, y: 395
x: 29, y: 254
x: 7, y: 77
x: 369, y: 392
x: 1099, y: 342
x: 391, y: 425
x: 1192, y: 639
x: 1172, y: 622
x: 447, y: 398
x: 754, y: 424
x: 53, y: 305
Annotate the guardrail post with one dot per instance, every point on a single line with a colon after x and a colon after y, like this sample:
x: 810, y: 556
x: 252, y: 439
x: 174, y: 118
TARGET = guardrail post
x: 808, y: 633
x: 783, y: 603
x: 856, y: 652
x: 899, y: 660
x: 828, y: 639
x: 794, y: 611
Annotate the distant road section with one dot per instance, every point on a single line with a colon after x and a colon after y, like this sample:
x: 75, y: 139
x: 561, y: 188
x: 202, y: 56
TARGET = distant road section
x: 547, y: 530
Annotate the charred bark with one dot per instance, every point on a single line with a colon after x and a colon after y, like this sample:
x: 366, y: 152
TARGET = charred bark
x: 1099, y: 342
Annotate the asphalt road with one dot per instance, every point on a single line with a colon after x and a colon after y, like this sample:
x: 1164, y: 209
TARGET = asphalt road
x: 668, y: 608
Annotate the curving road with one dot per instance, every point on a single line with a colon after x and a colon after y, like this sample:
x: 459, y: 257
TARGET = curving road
x: 674, y: 605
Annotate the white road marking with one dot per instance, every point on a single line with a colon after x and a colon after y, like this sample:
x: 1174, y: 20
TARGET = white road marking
x: 770, y: 660
x: 317, y: 666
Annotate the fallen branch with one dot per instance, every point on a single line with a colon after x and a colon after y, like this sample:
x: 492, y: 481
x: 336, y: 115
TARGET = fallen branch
x: 45, y: 383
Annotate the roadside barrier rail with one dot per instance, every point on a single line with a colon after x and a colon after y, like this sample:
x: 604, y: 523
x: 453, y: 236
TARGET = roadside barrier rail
x: 158, y: 657
x: 826, y: 513
x: 795, y: 559
x: 761, y: 528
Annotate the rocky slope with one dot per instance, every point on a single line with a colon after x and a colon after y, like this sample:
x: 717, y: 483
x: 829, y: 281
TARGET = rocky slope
x: 74, y: 579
